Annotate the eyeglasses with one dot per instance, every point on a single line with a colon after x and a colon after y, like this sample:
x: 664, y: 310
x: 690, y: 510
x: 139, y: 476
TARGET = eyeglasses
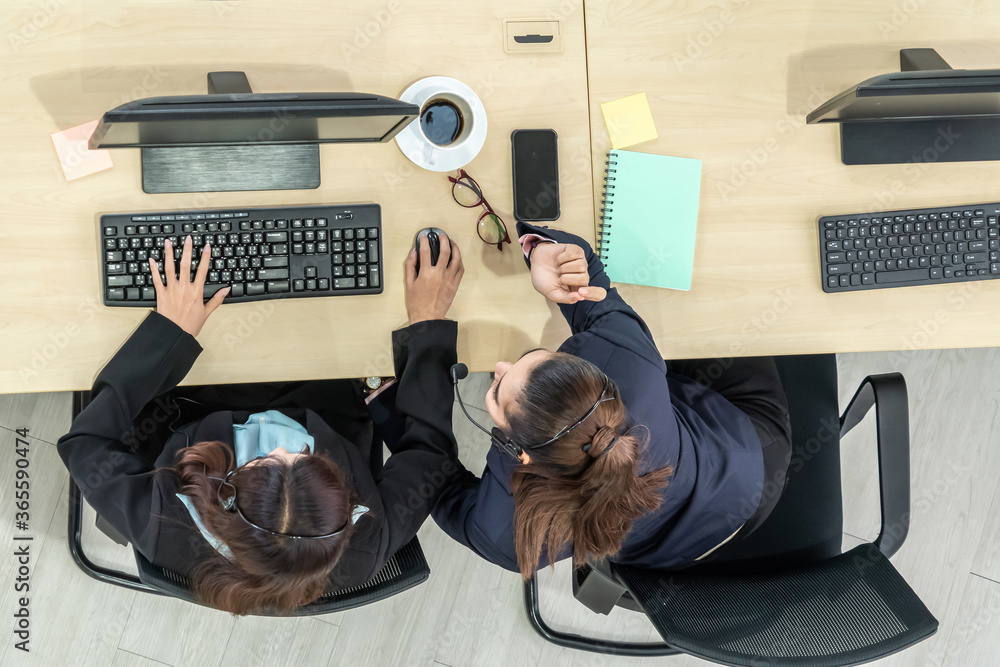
x: 467, y: 193
x: 229, y: 504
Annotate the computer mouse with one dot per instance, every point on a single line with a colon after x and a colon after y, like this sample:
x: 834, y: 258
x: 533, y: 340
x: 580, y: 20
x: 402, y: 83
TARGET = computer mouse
x: 433, y: 235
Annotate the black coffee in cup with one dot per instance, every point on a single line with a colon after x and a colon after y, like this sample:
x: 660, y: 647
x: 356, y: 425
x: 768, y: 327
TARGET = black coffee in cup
x: 441, y: 121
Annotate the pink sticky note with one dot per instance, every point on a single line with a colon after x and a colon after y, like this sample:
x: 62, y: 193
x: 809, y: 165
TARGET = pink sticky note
x: 75, y: 158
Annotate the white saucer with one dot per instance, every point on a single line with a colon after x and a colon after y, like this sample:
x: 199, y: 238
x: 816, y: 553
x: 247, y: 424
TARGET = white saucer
x: 441, y: 158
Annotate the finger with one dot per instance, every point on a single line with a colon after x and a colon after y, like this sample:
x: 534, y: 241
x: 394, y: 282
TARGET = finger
x: 185, y: 274
x: 455, y: 263
x: 216, y: 299
x: 410, y: 268
x: 203, y: 264
x: 168, y: 260
x: 595, y: 294
x: 444, y: 255
x: 570, y: 253
x: 575, y: 279
x: 424, y: 250
x: 155, y: 270
x: 574, y: 266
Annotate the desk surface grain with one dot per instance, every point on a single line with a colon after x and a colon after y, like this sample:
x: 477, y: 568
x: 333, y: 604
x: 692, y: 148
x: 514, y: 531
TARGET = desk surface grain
x: 68, y: 63
x: 730, y: 82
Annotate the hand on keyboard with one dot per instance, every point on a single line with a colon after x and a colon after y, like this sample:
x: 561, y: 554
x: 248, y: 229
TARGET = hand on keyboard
x: 179, y: 298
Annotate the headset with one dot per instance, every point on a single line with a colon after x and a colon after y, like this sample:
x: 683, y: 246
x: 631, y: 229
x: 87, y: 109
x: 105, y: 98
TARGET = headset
x: 508, y: 446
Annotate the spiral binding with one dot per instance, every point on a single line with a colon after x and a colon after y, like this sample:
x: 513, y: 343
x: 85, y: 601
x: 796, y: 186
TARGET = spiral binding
x: 607, y: 203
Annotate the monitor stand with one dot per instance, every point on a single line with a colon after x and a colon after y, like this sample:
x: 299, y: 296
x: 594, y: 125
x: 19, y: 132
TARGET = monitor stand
x: 230, y: 168
x: 939, y: 140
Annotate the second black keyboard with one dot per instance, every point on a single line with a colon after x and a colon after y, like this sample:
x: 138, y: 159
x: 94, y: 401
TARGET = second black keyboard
x: 910, y: 247
x: 263, y: 253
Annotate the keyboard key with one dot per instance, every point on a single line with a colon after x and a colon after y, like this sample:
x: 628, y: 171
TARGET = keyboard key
x: 276, y: 286
x: 210, y: 289
x: 373, y: 275
x: 120, y: 281
x: 311, y: 284
x: 834, y: 269
x: 132, y: 293
x: 343, y: 283
x: 310, y: 272
x: 909, y: 275
x: 867, y: 278
x: 324, y: 283
x: 272, y: 274
x: 254, y: 289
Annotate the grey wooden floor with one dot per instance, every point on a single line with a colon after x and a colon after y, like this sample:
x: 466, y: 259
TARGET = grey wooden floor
x: 469, y: 612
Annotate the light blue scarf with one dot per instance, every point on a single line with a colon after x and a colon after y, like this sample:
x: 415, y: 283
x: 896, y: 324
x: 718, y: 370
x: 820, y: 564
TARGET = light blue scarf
x: 262, y: 433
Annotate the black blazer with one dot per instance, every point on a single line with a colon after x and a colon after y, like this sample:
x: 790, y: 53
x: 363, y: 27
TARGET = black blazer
x: 140, y: 502
x: 712, y: 445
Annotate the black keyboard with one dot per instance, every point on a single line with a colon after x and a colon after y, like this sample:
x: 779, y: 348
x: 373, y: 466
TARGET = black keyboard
x: 264, y: 253
x: 922, y: 246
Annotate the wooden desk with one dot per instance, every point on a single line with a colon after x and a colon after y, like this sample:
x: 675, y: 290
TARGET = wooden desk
x: 730, y: 82
x: 66, y: 62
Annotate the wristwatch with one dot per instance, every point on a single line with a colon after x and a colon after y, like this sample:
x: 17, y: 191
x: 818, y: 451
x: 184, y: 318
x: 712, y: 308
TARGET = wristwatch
x: 372, y: 383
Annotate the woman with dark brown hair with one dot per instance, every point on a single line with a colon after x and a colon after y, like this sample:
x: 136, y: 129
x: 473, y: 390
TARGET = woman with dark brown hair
x: 264, y: 495
x: 603, y: 450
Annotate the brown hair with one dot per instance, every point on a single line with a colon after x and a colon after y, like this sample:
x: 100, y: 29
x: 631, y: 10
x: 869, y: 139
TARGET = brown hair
x: 565, y: 494
x: 267, y: 572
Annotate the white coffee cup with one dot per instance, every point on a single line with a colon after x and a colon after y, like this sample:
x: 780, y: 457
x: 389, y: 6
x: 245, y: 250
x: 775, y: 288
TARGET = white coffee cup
x: 466, y: 119
x: 425, y: 153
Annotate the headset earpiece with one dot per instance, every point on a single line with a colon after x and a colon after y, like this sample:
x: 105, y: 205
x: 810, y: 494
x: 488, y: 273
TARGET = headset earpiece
x: 505, y: 444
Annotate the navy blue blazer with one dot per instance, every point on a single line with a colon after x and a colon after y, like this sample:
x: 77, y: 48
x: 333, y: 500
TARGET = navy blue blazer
x: 712, y: 445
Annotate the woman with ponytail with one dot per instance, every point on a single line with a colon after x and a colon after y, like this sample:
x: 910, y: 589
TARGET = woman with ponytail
x: 263, y: 495
x: 602, y: 452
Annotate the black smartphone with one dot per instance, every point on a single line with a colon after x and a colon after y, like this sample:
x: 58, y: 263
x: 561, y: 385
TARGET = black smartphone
x: 536, y: 174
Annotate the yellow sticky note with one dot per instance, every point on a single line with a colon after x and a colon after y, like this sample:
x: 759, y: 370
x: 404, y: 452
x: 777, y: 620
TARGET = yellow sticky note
x: 75, y: 158
x: 629, y: 120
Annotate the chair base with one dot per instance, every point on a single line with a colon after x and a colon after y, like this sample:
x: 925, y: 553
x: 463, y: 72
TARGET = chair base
x: 574, y: 641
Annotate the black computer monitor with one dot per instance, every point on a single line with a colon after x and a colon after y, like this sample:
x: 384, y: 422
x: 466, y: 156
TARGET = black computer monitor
x: 235, y: 139
x: 927, y: 112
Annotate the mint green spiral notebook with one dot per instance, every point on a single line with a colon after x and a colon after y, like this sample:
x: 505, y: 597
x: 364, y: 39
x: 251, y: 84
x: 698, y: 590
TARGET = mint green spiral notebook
x: 649, y: 220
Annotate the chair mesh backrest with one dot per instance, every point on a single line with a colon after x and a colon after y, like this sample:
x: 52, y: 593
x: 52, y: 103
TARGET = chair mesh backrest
x: 405, y: 569
x: 844, y: 610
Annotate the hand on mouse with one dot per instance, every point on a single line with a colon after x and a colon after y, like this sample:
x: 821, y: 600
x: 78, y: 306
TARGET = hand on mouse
x: 559, y: 273
x: 430, y: 293
x: 182, y: 300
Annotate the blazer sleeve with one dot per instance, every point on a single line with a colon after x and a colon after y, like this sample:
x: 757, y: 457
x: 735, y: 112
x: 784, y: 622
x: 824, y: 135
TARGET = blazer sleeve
x: 424, y: 459
x: 114, y: 479
x: 611, y: 318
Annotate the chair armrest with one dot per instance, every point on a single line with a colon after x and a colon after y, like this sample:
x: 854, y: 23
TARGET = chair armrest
x: 887, y: 392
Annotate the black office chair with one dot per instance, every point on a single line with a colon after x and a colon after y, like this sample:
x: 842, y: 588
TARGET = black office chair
x: 786, y: 595
x: 405, y: 569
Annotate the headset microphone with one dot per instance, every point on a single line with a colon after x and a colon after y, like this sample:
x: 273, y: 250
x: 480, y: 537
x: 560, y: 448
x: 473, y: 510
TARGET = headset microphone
x: 460, y: 372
